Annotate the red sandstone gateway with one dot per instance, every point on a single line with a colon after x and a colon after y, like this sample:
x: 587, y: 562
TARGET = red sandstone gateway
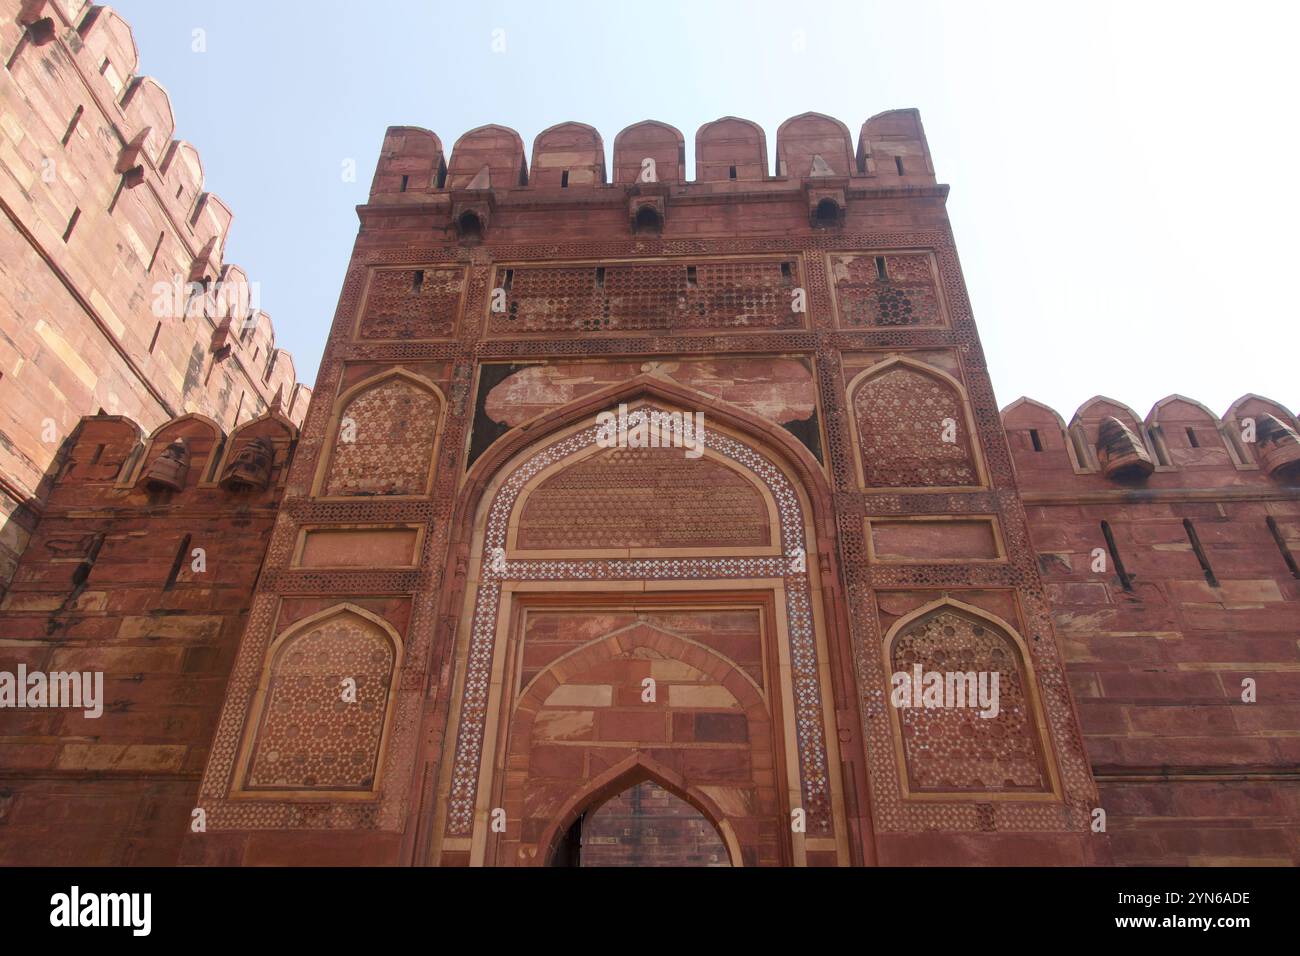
x: 425, y: 616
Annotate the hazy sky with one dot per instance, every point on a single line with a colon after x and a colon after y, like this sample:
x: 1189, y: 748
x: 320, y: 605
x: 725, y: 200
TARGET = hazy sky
x: 1121, y: 173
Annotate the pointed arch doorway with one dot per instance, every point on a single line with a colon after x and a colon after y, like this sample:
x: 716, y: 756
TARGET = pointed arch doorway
x: 649, y: 822
x: 632, y: 604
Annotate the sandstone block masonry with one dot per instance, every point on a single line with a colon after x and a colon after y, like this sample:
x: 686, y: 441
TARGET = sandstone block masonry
x: 100, y: 208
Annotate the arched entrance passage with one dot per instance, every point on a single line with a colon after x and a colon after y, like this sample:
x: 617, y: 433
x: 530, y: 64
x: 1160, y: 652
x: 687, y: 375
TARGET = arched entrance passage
x: 638, y: 815
x: 558, y: 569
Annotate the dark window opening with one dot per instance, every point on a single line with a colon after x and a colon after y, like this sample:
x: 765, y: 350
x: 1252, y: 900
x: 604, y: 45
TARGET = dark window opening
x: 1125, y: 579
x: 103, y: 67
x: 470, y: 227
x: 1280, y: 541
x: 1191, y: 437
x: 828, y: 214
x: 1195, y: 539
x: 72, y: 124
x: 647, y: 220
x: 405, y: 182
x: 731, y: 172
x: 1033, y: 437
x: 898, y: 163
x: 72, y: 224
x: 691, y: 277
x: 417, y: 281
x: 154, y: 341
x: 787, y: 273
x: 564, y: 179
x: 881, y: 271
x: 600, y: 277
x: 180, y: 189
x: 442, y: 174
x: 508, y: 279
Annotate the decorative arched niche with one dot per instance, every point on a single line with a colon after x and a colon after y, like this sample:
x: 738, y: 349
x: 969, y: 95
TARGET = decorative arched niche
x: 321, y: 716
x: 912, y: 428
x: 946, y: 748
x: 383, y: 438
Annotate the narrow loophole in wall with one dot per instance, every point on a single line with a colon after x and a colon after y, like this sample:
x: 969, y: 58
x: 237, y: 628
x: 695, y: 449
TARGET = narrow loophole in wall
x: 898, y: 164
x: 787, y: 273
x: 691, y: 278
x: 182, y: 553
x: 117, y: 194
x: 1034, y: 440
x: 1195, y: 540
x: 1125, y: 579
x: 1191, y: 437
x: 406, y: 181
x: 600, y: 277
x: 881, y: 270
x: 153, y: 256
x: 508, y: 279
x: 154, y: 341
x: 564, y: 179
x: 731, y: 172
x: 417, y: 281
x: 72, y: 124
x: 442, y: 174
x: 72, y: 223
x: 1280, y: 541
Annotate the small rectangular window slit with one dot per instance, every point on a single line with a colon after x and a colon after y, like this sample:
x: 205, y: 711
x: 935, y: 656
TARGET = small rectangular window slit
x: 72, y: 124
x: 1191, y: 438
x: 898, y: 162
x: 1033, y: 437
x: 1280, y: 541
x: 1125, y: 579
x: 691, y: 277
x: 406, y: 180
x: 881, y: 272
x: 564, y: 179
x: 600, y: 277
x: 182, y: 553
x: 72, y: 224
x: 1195, y: 539
x: 417, y: 281
x: 731, y: 172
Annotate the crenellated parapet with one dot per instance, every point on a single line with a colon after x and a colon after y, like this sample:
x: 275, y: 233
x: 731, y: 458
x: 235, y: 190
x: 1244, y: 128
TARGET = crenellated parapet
x: 117, y: 248
x: 729, y: 152
x: 1180, y: 444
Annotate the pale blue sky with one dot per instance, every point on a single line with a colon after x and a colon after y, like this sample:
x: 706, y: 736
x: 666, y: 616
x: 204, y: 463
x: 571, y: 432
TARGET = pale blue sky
x: 1121, y: 174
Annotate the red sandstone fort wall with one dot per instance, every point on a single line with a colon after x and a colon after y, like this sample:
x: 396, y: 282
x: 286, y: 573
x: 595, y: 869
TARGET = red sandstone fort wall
x: 151, y: 588
x: 1188, y: 771
x: 499, y: 587
x: 100, y: 206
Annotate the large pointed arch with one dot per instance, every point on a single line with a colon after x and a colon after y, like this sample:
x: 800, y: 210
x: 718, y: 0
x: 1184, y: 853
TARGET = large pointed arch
x: 618, y: 778
x: 811, y: 623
